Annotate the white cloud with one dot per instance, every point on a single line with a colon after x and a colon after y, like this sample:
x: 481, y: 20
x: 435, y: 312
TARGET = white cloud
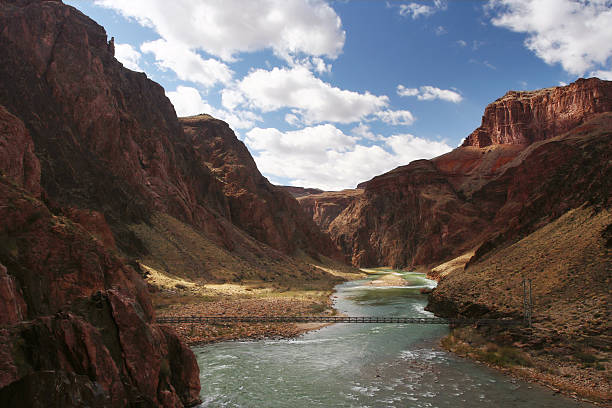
x: 602, y: 74
x: 430, y: 93
x: 401, y: 117
x: 574, y: 33
x: 461, y: 43
x: 225, y: 28
x: 311, y: 99
x: 488, y: 65
x: 128, y: 56
x: 187, y: 101
x: 408, y: 147
x: 323, y: 156
x: 187, y: 64
x: 363, y: 132
x: 416, y: 10
x: 403, y: 91
x: 292, y: 119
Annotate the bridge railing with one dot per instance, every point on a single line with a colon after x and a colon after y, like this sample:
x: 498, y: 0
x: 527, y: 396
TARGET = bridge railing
x: 330, y: 319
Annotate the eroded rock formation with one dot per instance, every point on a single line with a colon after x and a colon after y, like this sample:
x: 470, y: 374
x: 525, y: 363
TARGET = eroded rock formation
x: 92, y: 156
x: 534, y: 158
x: 73, y: 313
x: 267, y: 212
x: 529, y: 116
x: 324, y: 207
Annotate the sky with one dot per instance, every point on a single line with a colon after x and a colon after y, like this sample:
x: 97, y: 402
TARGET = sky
x: 328, y: 94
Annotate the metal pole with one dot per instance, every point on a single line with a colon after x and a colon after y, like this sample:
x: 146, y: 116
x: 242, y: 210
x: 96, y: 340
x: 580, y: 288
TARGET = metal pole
x: 530, y: 303
x: 525, y: 318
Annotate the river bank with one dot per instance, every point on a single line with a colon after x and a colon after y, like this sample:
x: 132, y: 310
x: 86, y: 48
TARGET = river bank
x: 176, y: 297
x: 568, y: 347
x: 579, y: 375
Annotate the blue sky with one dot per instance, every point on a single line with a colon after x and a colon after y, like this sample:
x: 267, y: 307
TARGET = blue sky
x: 331, y: 93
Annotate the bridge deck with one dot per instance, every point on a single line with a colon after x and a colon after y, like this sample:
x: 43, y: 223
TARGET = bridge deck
x: 330, y: 319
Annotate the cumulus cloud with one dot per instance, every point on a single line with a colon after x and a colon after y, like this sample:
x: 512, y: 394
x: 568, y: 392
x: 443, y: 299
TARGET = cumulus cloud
x: 416, y: 10
x: 325, y: 157
x: 311, y: 99
x: 400, y: 117
x: 363, y: 131
x: 187, y: 101
x: 128, y: 56
x: 573, y: 33
x: 430, y: 93
x: 187, y: 64
x: 602, y: 74
x: 224, y: 28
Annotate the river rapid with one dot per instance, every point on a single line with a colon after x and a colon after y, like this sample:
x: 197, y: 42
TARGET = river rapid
x: 362, y: 365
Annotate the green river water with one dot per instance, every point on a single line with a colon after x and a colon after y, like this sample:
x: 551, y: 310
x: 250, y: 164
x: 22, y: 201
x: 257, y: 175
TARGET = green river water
x: 362, y: 365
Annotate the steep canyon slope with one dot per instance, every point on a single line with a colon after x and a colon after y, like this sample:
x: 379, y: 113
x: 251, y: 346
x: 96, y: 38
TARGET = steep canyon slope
x: 536, y: 155
x: 98, y: 176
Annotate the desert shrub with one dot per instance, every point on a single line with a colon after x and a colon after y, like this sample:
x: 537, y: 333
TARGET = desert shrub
x: 585, y: 357
x: 506, y: 357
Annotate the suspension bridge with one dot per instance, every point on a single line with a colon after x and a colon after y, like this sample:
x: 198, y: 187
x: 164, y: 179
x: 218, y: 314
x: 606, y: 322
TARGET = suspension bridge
x: 527, y: 304
x: 331, y: 319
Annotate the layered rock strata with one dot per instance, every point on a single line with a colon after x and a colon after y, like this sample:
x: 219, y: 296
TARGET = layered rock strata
x: 512, y: 175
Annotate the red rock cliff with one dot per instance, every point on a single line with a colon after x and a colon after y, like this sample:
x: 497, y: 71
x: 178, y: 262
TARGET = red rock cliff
x: 267, y: 212
x: 324, y: 207
x: 72, y: 313
x: 529, y: 116
x: 554, y: 156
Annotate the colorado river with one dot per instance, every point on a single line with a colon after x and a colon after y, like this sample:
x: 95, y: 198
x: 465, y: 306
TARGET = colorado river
x: 361, y: 365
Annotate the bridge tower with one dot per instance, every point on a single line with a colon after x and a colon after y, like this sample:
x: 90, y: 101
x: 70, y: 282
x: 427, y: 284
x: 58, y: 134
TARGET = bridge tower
x: 527, y: 302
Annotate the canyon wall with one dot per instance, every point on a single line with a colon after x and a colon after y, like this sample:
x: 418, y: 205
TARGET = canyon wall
x: 91, y: 155
x: 533, y: 158
x: 76, y: 324
x: 109, y: 139
x: 524, y: 117
x: 268, y: 213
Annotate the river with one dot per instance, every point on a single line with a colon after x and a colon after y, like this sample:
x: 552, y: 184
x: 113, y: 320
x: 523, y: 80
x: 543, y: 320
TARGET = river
x: 362, y: 365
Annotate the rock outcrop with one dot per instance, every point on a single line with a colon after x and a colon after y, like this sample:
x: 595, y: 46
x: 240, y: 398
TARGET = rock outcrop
x: 267, y: 212
x: 298, y: 192
x: 529, y: 116
x: 74, y: 313
x: 17, y: 159
x: 92, y: 157
x: 406, y: 217
x: 74, y: 318
x: 324, y: 207
x: 537, y: 155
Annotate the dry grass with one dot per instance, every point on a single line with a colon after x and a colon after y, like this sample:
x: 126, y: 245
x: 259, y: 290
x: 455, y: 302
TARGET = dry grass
x: 571, y: 374
x: 571, y: 269
x: 178, y: 297
x: 190, y: 274
x: 180, y: 250
x: 454, y: 265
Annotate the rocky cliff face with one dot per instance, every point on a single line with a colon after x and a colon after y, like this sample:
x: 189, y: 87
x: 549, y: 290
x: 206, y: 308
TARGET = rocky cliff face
x: 268, y: 213
x: 92, y: 157
x: 298, y: 192
x: 324, y: 207
x: 530, y: 116
x: 103, y: 131
x: 534, y: 158
x: 73, y: 313
x: 100, y: 130
x: 406, y: 217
